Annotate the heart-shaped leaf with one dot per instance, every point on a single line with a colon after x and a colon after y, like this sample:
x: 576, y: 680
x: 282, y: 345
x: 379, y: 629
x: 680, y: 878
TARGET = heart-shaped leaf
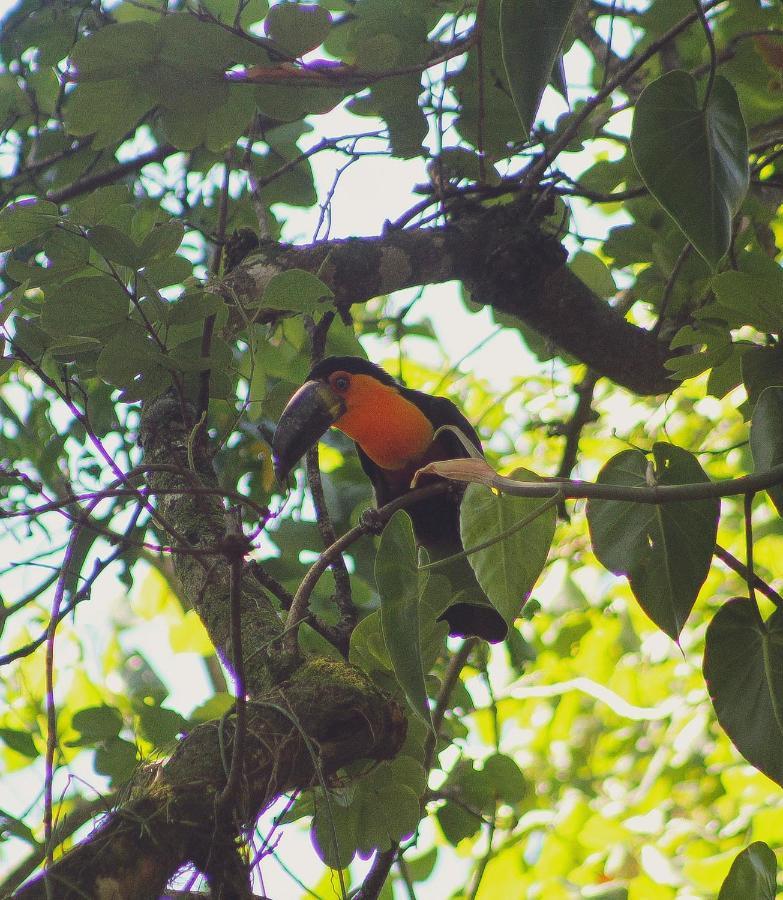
x: 693, y: 157
x: 743, y: 668
x: 752, y: 874
x: 665, y: 549
x: 509, y: 567
x: 531, y: 32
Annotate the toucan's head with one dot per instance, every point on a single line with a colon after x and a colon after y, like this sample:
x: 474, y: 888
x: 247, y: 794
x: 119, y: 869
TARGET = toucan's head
x: 361, y: 400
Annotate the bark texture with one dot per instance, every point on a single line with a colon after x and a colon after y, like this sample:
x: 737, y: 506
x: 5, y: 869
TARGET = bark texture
x: 507, y: 260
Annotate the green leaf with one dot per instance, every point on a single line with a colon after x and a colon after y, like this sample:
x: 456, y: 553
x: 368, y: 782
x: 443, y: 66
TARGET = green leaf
x: 766, y: 438
x: 531, y: 33
x: 113, y: 50
x: 20, y: 741
x: 421, y: 867
x: 226, y: 10
x: 296, y: 290
x: 743, y: 668
x: 296, y: 27
x: 131, y: 361
x: 397, y: 577
x: 506, y: 778
x: 508, y: 568
x: 162, y: 241
x: 762, y: 367
x: 85, y: 307
x: 194, y: 306
x: 752, y: 876
x: 115, y: 246
x: 594, y: 273
x: 664, y: 550
x: 378, y: 809
x: 368, y: 648
x: 457, y: 823
x: 23, y: 221
x: 754, y: 298
x: 159, y: 725
x: 117, y: 759
x: 97, y: 723
x: 694, y: 160
x: 106, y: 109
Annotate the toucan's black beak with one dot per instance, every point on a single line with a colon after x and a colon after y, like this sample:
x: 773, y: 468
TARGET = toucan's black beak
x: 309, y: 413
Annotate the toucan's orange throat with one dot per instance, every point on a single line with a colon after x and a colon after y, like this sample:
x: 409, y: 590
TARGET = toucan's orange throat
x: 391, y: 430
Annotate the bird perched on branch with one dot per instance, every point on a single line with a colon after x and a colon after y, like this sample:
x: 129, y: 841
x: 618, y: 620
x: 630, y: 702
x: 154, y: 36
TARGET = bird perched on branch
x: 394, y: 429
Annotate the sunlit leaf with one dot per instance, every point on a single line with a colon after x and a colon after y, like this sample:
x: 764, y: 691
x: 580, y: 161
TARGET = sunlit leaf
x: 509, y: 567
x: 665, y: 549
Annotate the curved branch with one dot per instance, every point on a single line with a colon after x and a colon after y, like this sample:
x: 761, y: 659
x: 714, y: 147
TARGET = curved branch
x: 506, y: 260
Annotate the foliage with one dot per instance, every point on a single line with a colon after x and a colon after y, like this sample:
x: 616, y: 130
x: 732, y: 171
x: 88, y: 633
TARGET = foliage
x: 626, y: 739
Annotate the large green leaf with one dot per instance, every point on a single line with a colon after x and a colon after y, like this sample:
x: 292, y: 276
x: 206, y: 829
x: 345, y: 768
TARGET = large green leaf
x: 752, y: 876
x: 509, y: 567
x: 743, y: 668
x: 531, y: 32
x: 693, y: 159
x: 665, y: 549
x: 766, y: 437
x: 397, y: 577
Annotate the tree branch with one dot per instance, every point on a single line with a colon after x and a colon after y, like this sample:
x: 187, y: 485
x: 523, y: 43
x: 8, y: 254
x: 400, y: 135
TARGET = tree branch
x: 505, y: 259
x: 170, y: 818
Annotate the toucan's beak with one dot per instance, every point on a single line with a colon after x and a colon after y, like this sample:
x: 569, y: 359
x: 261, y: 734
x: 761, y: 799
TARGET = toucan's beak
x: 309, y: 413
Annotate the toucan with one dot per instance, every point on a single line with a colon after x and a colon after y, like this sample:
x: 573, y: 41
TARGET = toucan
x: 394, y: 429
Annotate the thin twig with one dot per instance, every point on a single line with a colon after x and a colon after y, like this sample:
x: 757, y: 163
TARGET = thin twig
x: 298, y: 608
x: 209, y: 322
x: 236, y: 545
x: 343, y: 594
x: 535, y: 172
x: 713, y: 54
x: 736, y: 566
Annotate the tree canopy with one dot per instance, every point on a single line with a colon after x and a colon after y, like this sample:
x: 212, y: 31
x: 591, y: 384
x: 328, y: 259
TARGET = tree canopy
x: 209, y: 678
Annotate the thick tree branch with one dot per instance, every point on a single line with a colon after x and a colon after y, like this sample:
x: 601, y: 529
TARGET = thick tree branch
x: 505, y: 259
x: 170, y: 818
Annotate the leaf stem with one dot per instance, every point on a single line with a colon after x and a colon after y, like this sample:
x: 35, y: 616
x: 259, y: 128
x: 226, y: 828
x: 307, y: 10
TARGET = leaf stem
x: 713, y: 54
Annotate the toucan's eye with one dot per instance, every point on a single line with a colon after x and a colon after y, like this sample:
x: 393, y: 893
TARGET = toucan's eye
x: 341, y: 382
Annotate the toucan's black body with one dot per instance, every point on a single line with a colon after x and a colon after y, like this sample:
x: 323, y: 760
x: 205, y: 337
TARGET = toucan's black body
x: 436, y: 519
